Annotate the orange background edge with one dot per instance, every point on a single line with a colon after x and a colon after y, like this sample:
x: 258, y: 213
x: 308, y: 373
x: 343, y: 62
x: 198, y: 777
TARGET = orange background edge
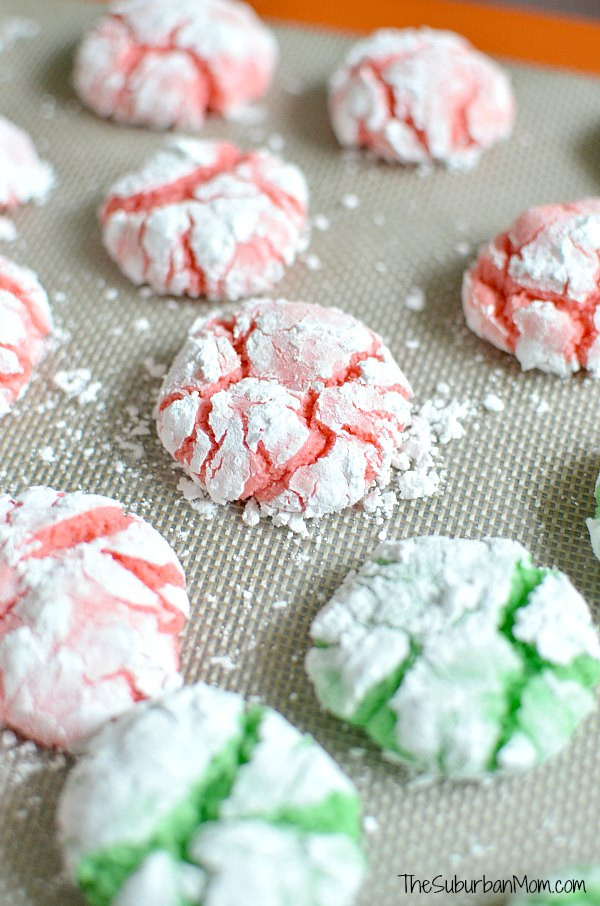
x: 531, y: 36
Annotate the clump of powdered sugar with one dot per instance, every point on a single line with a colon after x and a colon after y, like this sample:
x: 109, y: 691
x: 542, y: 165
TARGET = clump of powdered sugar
x: 78, y: 384
x: 197, y: 498
x: 14, y: 28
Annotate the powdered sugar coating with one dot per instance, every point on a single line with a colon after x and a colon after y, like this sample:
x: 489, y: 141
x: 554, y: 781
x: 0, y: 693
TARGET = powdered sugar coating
x: 283, y: 818
x: 202, y: 218
x: 160, y: 64
x: 25, y: 321
x: 23, y: 176
x: 91, y: 602
x: 458, y: 656
x: 593, y: 524
x: 295, y: 407
x: 419, y: 96
x: 534, y: 291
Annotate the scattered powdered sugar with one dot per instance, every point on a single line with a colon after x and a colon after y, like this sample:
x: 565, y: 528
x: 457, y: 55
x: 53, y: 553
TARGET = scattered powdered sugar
x: 541, y: 406
x: 493, y: 403
x: 47, y: 454
x: 224, y: 661
x: 350, y: 201
x: 415, y: 299
x: 155, y: 369
x: 8, y: 230
x: 14, y: 28
x: 370, y: 824
x: 321, y: 222
x: 312, y: 261
x: 77, y: 384
x: 195, y: 496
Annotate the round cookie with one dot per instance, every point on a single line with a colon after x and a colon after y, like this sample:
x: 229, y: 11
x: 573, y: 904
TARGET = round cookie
x: 572, y: 887
x: 458, y: 657
x: 203, y: 218
x: 420, y: 96
x: 534, y: 290
x: 91, y: 602
x: 197, y: 798
x: 25, y: 321
x: 158, y: 64
x: 23, y: 176
x: 294, y: 407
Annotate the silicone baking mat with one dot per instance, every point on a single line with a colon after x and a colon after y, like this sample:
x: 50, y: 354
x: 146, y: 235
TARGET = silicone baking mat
x: 526, y: 472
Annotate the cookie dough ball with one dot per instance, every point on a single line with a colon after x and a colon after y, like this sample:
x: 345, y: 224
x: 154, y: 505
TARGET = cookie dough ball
x: 294, y: 407
x: 458, y: 657
x: 91, y: 602
x: 534, y: 291
x: 203, y: 218
x: 419, y: 96
x: 572, y: 887
x: 23, y: 176
x: 199, y: 798
x: 25, y: 322
x: 163, y: 64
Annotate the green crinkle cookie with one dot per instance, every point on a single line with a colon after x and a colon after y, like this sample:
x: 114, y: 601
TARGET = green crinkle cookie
x: 196, y: 799
x: 458, y: 657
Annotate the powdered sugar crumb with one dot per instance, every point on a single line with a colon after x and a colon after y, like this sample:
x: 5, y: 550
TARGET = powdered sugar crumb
x: 415, y: 299
x: 198, y: 500
x: 77, y: 384
x: 224, y: 661
x: 493, y: 403
x: 321, y: 222
x: 350, y: 201
x: 14, y: 28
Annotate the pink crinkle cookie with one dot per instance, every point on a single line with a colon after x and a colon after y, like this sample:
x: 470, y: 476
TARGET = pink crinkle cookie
x: 203, y: 218
x: 420, y: 96
x: 164, y: 63
x: 293, y: 407
x: 24, y: 323
x: 534, y: 291
x: 91, y: 602
x: 23, y: 176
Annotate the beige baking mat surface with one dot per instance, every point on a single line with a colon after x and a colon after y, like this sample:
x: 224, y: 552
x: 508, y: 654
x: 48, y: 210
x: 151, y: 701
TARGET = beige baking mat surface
x: 524, y: 473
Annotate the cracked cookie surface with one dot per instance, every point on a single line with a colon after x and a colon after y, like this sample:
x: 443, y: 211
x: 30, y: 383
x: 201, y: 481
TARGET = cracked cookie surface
x: 164, y: 65
x: 420, y: 96
x: 203, y: 218
x: 197, y: 798
x: 25, y: 322
x: 23, y: 176
x: 458, y: 657
x: 292, y: 406
x: 91, y: 603
x: 534, y: 291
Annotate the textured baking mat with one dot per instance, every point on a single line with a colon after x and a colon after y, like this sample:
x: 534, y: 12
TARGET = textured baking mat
x: 526, y: 472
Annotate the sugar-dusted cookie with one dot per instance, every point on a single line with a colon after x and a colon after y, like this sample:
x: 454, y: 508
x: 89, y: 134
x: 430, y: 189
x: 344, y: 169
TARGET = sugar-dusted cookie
x: 203, y: 218
x: 197, y: 798
x: 293, y: 406
x: 25, y: 322
x: 163, y: 64
x: 23, y: 176
x: 420, y: 96
x: 534, y: 290
x: 458, y: 657
x: 91, y: 602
